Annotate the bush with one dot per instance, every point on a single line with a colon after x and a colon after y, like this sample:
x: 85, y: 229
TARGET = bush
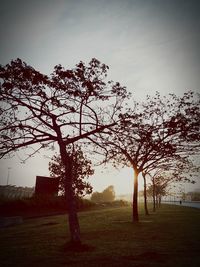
x: 84, y: 204
x: 40, y: 205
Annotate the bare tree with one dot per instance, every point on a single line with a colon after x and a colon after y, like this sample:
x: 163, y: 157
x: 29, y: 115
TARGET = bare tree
x: 172, y: 171
x: 68, y: 106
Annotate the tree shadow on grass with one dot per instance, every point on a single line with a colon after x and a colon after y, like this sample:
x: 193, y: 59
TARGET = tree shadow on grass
x: 48, y: 224
x: 148, y: 256
x: 70, y: 247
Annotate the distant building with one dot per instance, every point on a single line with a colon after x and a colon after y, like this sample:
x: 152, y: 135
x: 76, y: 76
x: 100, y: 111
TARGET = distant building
x: 46, y: 186
x: 15, y: 192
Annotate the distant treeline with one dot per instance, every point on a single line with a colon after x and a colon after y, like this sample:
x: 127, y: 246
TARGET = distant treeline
x: 193, y: 196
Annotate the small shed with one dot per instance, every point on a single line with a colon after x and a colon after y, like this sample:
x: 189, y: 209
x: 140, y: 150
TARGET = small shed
x: 46, y: 186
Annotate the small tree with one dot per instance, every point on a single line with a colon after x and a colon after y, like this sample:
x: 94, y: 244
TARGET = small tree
x: 107, y: 195
x: 173, y: 171
x: 81, y: 170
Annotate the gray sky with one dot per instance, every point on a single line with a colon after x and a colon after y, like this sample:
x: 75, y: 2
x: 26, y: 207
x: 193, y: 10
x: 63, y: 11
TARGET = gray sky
x: 149, y: 45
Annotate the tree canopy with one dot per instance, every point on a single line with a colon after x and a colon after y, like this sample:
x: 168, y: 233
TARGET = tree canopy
x: 68, y: 105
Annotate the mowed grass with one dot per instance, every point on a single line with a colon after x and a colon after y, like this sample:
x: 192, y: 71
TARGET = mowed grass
x: 169, y: 237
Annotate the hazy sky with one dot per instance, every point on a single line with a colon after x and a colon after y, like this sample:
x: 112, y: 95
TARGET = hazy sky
x: 149, y: 45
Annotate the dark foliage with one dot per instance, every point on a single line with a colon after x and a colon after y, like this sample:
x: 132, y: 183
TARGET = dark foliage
x: 81, y: 170
x: 40, y: 206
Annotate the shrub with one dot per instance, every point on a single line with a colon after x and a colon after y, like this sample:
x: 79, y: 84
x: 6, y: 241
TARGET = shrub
x: 39, y: 205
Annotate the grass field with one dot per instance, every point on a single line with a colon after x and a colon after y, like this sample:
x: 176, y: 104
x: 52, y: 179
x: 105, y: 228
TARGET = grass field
x: 169, y: 237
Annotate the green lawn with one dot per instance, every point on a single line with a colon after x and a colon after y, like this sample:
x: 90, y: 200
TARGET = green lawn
x: 169, y: 237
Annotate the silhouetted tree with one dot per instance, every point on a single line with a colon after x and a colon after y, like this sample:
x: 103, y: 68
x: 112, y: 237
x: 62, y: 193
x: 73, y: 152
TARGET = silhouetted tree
x: 81, y: 170
x: 180, y: 170
x: 154, y: 130
x: 65, y: 107
x: 145, y: 193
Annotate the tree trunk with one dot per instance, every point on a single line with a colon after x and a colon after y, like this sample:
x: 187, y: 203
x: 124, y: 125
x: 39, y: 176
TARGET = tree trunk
x: 159, y: 201
x: 145, y: 196
x: 135, y: 197
x: 154, y: 196
x: 157, y: 206
x: 74, y: 227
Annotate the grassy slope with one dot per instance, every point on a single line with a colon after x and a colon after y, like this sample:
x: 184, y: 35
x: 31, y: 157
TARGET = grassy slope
x: 170, y: 237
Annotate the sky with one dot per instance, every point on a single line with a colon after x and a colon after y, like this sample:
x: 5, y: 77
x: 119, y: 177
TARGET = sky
x: 149, y: 46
